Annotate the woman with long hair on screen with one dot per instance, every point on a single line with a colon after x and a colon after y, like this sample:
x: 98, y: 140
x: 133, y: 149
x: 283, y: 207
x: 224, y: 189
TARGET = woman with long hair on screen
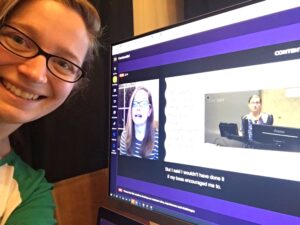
x: 140, y: 137
x: 45, y: 46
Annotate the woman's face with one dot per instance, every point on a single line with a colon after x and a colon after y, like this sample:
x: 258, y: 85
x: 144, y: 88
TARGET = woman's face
x: 255, y: 104
x: 28, y: 90
x: 141, y: 108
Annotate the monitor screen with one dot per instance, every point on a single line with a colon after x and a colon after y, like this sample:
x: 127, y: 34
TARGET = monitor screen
x: 109, y: 217
x: 276, y: 137
x: 170, y: 91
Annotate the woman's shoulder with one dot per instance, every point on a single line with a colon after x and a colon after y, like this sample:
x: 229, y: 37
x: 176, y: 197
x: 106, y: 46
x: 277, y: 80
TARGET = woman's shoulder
x: 123, y: 134
x: 266, y: 114
x: 26, y: 176
x: 33, y: 189
x: 247, y: 116
x: 267, y: 118
x: 21, y: 169
x: 122, y: 145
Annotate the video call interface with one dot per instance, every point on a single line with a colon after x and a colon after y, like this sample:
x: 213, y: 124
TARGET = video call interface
x: 208, y: 164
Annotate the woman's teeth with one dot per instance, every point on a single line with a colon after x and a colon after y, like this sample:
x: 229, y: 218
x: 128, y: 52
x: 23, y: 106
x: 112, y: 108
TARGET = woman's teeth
x: 20, y: 93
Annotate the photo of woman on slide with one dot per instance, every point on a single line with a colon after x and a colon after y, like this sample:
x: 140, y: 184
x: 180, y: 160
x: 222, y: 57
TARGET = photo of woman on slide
x: 255, y: 116
x: 140, y: 136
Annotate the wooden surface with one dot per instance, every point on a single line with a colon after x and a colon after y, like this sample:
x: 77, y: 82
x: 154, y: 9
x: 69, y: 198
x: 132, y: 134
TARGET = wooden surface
x: 78, y: 199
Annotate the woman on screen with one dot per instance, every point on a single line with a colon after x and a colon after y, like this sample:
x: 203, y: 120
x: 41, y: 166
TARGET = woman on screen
x: 255, y: 116
x: 140, y: 137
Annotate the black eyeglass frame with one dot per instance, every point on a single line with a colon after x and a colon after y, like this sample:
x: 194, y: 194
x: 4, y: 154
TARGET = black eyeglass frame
x: 40, y: 51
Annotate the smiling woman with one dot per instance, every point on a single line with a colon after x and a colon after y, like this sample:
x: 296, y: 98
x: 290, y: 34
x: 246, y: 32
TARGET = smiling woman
x: 39, y: 65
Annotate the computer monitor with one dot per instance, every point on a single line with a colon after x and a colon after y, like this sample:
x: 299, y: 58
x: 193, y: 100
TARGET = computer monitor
x: 163, y: 152
x: 227, y: 129
x: 109, y: 217
x: 276, y: 137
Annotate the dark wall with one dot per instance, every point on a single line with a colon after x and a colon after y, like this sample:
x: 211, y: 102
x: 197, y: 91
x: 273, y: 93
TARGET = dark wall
x: 73, y: 140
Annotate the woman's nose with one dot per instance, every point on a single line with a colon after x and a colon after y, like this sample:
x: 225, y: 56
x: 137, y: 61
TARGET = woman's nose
x: 35, y: 69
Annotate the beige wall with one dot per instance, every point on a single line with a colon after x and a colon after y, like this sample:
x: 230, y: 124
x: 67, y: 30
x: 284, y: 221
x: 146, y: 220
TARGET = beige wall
x: 285, y: 109
x: 149, y: 15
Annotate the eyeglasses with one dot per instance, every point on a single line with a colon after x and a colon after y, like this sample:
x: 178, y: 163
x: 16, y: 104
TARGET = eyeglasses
x: 255, y: 103
x: 141, y: 104
x: 21, y: 45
